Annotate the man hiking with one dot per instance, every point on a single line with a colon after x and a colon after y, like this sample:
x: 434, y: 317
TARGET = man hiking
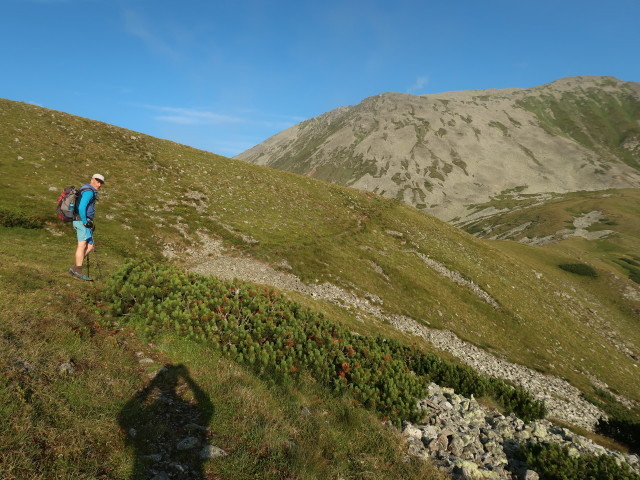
x: 83, y: 223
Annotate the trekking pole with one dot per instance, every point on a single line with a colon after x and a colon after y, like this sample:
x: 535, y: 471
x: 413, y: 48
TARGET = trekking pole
x: 95, y: 252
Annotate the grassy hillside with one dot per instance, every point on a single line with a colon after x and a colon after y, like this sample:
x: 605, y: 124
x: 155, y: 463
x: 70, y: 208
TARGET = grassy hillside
x: 159, y: 196
x: 602, y: 120
x: 609, y: 240
x: 71, y: 376
x: 70, y: 382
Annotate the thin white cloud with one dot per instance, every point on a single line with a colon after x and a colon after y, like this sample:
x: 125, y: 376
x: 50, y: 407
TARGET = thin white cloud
x: 135, y: 25
x: 418, y: 85
x: 280, y: 125
x: 195, y: 116
x: 177, y: 119
x: 191, y: 116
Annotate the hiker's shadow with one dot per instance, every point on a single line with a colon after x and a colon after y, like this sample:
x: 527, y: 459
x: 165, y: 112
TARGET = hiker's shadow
x: 166, y: 424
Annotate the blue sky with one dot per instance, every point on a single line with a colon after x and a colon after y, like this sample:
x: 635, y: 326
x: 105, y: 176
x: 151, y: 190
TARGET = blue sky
x: 224, y: 76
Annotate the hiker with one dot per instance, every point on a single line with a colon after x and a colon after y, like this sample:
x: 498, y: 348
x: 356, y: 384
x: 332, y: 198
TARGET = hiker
x: 83, y: 223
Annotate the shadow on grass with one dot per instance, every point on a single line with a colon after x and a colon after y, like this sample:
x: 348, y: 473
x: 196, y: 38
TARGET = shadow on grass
x: 166, y: 426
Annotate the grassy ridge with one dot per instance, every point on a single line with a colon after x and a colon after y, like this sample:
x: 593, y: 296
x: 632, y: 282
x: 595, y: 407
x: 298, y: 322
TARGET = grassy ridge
x: 63, y: 423
x: 160, y: 193
x: 612, y: 257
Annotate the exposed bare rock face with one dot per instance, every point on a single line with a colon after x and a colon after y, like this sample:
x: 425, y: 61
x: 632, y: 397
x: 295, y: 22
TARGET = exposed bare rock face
x: 445, y: 152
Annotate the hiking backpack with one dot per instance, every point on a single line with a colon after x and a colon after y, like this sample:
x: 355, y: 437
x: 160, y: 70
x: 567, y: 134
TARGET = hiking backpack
x: 67, y: 204
x: 67, y: 201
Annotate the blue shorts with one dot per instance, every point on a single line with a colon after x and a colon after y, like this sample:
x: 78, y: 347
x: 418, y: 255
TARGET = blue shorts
x: 84, y: 234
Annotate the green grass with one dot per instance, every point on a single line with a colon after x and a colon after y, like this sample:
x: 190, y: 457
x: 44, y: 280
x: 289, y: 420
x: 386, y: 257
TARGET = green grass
x: 596, y: 119
x: 319, y: 230
x: 55, y: 425
x: 158, y: 193
x: 619, y: 208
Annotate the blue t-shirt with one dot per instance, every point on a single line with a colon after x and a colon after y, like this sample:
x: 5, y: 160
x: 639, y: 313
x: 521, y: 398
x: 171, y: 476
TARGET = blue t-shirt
x: 86, y: 207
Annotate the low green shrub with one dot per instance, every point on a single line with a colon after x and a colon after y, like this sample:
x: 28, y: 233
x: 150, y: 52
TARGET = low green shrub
x: 634, y: 273
x: 630, y: 261
x: 16, y: 219
x: 579, y: 269
x: 281, y: 339
x: 623, y: 429
x: 553, y: 462
x: 465, y: 381
x: 622, y: 425
x: 631, y: 265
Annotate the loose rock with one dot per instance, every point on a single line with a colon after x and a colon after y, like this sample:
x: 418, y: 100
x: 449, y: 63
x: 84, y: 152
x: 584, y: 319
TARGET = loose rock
x: 188, y: 443
x: 211, y: 451
x: 468, y: 441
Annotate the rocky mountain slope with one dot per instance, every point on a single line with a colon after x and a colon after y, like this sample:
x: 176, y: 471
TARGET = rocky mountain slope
x: 445, y: 153
x: 373, y: 265
x: 515, y: 303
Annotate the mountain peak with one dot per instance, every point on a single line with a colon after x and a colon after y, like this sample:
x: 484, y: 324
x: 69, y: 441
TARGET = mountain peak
x: 445, y: 153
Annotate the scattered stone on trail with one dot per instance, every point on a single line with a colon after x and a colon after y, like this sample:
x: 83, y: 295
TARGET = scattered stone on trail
x: 23, y: 365
x: 152, y: 375
x: 458, y: 279
x: 211, y: 451
x: 194, y: 427
x: 146, y: 361
x: 187, y: 443
x: 66, y: 369
x: 562, y: 400
x: 177, y: 467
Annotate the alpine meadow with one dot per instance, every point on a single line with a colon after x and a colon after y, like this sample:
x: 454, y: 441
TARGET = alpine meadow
x: 251, y: 322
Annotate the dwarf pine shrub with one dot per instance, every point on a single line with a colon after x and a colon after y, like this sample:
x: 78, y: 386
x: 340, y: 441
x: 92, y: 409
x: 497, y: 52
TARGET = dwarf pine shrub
x: 579, y: 269
x: 280, y: 339
x: 553, y: 462
x: 15, y: 219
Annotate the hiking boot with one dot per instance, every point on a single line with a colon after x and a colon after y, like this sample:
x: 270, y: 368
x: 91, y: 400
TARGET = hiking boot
x: 79, y: 275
